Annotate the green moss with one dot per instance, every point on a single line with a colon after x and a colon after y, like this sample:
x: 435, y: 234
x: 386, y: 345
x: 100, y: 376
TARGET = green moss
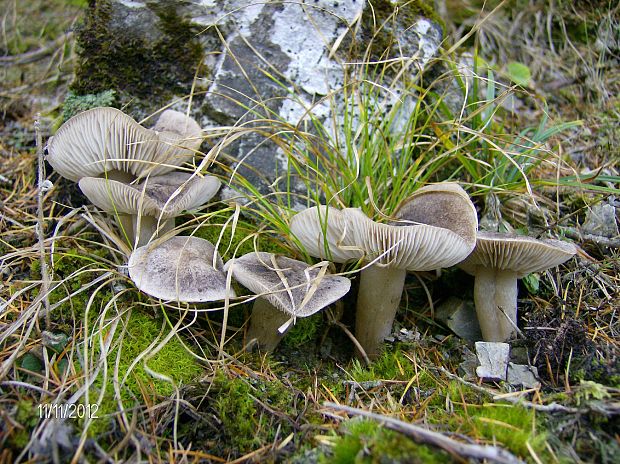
x: 237, y: 411
x: 364, y: 441
x: 246, y: 424
x: 132, y: 65
x: 172, y: 361
x: 510, y: 426
x: 26, y: 415
x: 304, y: 331
x: 73, y: 270
x: 391, y: 365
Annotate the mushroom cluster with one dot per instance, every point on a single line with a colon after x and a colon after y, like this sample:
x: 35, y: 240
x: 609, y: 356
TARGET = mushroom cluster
x: 435, y: 228
x: 131, y: 172
x: 189, y: 269
x: 128, y: 170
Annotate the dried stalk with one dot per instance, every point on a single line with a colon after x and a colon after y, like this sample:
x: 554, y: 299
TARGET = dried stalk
x: 43, y: 186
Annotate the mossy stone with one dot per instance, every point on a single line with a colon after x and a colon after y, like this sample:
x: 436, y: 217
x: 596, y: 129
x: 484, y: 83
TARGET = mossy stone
x: 151, y: 63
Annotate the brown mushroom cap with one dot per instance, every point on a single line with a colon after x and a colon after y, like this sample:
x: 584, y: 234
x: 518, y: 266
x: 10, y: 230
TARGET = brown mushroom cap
x: 180, y: 269
x: 290, y: 285
x: 517, y: 253
x: 166, y: 195
x: 101, y: 140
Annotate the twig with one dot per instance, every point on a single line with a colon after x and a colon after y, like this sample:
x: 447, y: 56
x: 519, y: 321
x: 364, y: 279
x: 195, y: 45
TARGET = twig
x: 598, y: 239
x: 15, y: 383
x: 43, y: 186
x: 422, y: 435
x: 553, y: 407
x: 348, y: 333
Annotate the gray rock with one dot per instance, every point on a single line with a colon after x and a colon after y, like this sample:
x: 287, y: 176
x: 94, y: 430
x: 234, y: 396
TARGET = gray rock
x: 460, y: 317
x: 493, y: 358
x: 135, y: 20
x: 467, y: 368
x: 601, y: 221
x: 522, y: 375
x: 267, y: 60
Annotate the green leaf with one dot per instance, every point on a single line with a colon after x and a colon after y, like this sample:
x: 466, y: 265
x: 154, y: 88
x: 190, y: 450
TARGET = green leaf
x: 532, y: 283
x: 519, y: 73
x: 31, y: 363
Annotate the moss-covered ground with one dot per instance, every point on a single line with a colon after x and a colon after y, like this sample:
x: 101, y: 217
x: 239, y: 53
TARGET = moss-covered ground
x: 159, y: 385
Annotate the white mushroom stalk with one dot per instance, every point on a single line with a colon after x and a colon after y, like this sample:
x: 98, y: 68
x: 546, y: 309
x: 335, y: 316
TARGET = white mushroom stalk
x: 436, y: 228
x: 497, y: 262
x: 287, y: 289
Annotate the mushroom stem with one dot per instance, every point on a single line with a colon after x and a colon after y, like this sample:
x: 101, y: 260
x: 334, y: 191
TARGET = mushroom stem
x: 119, y: 176
x: 377, y: 301
x: 145, y: 228
x: 495, y: 296
x: 264, y: 323
x: 125, y: 221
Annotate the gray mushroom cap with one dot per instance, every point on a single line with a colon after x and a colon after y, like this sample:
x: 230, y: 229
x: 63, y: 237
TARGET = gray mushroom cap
x: 166, y: 195
x: 354, y: 236
x: 325, y: 233
x: 435, y: 228
x: 180, y: 269
x: 517, y: 253
x: 105, y: 139
x: 175, y: 122
x: 290, y: 285
x: 419, y: 247
x: 444, y: 205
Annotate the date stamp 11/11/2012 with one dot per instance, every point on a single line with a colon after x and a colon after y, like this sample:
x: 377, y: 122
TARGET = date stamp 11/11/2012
x: 67, y: 411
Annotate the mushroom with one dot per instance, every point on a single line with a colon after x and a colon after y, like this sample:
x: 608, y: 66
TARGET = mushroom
x: 104, y: 145
x: 286, y: 289
x: 180, y: 269
x: 105, y: 142
x: 324, y: 233
x: 442, y: 233
x: 497, y: 262
x: 435, y: 228
x: 140, y: 207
